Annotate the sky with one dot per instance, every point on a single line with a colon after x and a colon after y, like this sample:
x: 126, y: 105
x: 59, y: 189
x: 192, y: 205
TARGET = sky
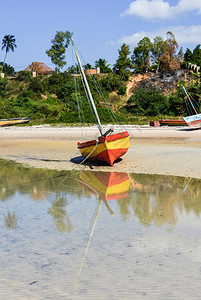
x: 99, y: 27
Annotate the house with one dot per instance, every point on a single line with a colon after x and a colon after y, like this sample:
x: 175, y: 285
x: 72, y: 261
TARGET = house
x: 92, y: 71
x: 38, y: 68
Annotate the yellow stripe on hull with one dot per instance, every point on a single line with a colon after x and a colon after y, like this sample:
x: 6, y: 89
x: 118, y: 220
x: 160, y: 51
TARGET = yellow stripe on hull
x: 111, y: 145
x: 91, y: 180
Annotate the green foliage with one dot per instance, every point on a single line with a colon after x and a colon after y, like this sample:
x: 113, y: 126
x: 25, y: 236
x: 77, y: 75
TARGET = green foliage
x: 9, y: 44
x: 153, y: 103
x: 7, y: 69
x: 111, y: 83
x: 102, y: 64
x: 35, y: 85
x: 3, y: 86
x: 147, y: 103
x: 176, y: 105
x: 122, y: 90
x: 141, y: 55
x: 65, y: 91
x: 193, y: 57
x: 54, y: 99
x: 53, y: 83
x: 24, y: 76
x: 123, y: 64
x: 58, y: 49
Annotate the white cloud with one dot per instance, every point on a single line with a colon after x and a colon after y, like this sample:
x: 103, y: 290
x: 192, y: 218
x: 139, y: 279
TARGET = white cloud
x: 183, y: 35
x: 161, y: 9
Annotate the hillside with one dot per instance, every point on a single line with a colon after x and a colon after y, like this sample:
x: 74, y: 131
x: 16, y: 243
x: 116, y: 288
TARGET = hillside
x: 52, y: 98
x: 166, y: 84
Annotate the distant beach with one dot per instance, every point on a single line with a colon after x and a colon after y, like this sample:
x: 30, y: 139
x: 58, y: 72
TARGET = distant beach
x: 153, y: 150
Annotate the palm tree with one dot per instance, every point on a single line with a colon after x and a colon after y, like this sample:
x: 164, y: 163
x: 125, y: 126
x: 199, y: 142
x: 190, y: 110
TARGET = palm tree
x: 102, y: 64
x: 8, y: 43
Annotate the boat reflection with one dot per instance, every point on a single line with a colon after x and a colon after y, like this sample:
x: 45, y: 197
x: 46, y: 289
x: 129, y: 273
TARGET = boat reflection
x: 152, y: 199
x: 107, y: 185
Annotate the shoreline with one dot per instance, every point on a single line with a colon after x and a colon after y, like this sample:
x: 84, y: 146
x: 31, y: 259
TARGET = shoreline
x: 153, y: 150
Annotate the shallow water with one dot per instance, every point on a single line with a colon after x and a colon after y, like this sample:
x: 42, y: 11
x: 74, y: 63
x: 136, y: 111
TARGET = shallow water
x: 98, y: 235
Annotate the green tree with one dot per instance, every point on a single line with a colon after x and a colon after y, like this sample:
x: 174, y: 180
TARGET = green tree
x: 9, y: 44
x: 147, y: 103
x: 157, y: 51
x: 169, y: 60
x: 87, y: 66
x: 8, y: 70
x: 123, y: 63
x: 59, y: 45
x: 188, y: 55
x: 102, y: 64
x: 74, y: 69
x: 197, y: 55
x: 141, y: 55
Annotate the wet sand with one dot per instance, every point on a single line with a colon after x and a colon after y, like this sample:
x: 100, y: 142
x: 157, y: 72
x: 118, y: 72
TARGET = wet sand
x: 148, y: 248
x: 153, y: 150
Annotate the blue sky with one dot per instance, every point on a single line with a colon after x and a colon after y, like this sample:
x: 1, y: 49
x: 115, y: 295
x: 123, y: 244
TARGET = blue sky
x: 99, y: 27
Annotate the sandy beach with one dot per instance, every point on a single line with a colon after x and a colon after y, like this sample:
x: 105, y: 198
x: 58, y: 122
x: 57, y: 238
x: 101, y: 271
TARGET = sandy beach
x: 144, y: 242
x: 153, y: 150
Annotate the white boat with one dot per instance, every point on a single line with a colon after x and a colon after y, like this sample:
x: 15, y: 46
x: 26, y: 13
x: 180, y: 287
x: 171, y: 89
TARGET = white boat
x: 194, y: 120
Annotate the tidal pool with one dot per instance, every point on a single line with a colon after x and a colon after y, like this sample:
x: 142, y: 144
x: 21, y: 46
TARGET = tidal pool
x: 98, y: 235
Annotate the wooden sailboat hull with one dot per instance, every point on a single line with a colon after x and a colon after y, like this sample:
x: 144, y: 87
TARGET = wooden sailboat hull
x: 108, y: 185
x: 9, y: 122
x: 171, y: 122
x: 193, y: 121
x: 106, y: 149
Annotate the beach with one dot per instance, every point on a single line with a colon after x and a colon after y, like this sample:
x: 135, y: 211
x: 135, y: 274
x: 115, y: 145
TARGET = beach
x: 100, y: 235
x: 153, y: 150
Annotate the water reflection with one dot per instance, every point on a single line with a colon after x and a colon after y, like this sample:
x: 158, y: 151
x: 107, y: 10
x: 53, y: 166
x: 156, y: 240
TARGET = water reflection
x: 150, y: 198
x: 10, y: 220
x: 107, y: 185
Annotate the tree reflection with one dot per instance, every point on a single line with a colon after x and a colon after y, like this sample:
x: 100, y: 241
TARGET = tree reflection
x: 157, y: 199
x: 149, y: 198
x: 61, y: 219
x: 10, y: 220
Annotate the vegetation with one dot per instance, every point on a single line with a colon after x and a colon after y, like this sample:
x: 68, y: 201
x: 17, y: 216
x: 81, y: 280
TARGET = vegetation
x: 53, y: 98
x: 58, y: 49
x: 9, y: 44
x: 7, y: 69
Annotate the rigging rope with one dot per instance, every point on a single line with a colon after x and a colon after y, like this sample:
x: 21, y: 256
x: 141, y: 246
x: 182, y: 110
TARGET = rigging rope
x: 112, y: 115
x: 105, y: 101
x: 191, y: 105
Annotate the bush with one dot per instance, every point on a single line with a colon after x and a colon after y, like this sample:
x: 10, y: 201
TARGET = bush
x: 7, y: 69
x: 36, y: 86
x: 66, y: 90
x: 147, y: 103
x: 122, y: 90
x: 24, y: 76
x: 112, y: 82
x: 3, y: 86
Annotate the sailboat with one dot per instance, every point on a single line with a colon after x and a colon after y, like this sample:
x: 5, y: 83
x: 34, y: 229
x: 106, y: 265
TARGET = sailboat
x: 193, y: 121
x: 109, y: 146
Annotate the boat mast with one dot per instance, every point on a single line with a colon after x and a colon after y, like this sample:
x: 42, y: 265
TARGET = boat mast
x: 88, y: 89
x: 189, y: 99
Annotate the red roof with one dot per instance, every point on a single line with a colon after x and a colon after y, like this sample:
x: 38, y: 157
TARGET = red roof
x: 39, y: 68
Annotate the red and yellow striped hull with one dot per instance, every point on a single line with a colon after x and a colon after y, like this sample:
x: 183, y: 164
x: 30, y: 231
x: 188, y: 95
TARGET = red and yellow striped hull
x: 106, y: 149
x: 108, y: 185
x: 172, y: 122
